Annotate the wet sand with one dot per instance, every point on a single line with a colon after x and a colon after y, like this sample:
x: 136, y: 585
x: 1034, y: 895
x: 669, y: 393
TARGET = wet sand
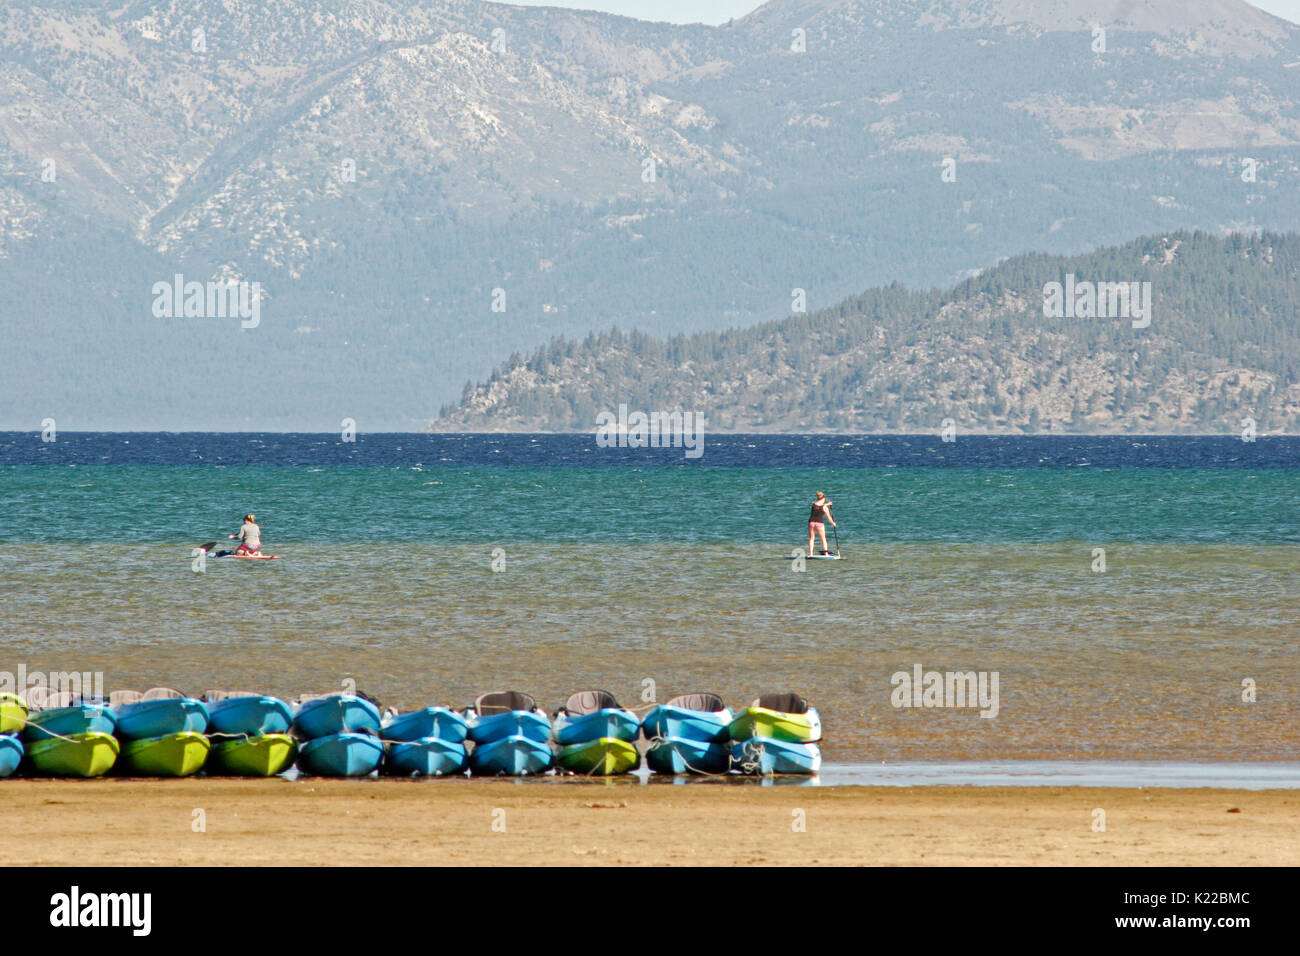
x: 482, y: 822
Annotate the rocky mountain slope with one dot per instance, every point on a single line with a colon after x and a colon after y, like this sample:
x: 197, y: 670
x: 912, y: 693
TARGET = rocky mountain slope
x: 388, y: 172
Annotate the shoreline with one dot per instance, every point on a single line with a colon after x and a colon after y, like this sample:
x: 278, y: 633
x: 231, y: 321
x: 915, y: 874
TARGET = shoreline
x: 570, y: 821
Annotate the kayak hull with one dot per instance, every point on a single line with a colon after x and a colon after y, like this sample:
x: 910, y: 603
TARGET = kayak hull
x: 777, y: 725
x: 603, y: 757
x: 528, y: 724
x: 337, y: 714
x: 263, y: 755
x: 11, y: 754
x: 341, y: 755
x: 513, y: 756
x: 765, y: 755
x: 427, y: 757
x: 171, y: 755
x: 69, y: 722
x: 675, y: 755
x: 79, y: 755
x: 440, y: 722
x: 678, y: 722
x: 611, y: 722
x: 249, y: 715
x: 149, y: 719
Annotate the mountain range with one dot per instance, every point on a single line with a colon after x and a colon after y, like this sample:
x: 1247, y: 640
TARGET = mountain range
x: 421, y: 188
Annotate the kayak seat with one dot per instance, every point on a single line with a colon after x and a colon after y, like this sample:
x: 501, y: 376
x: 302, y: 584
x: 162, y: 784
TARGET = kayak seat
x: 502, y: 702
x: 710, y: 703
x: 589, y: 701
x: 162, y: 693
x: 35, y: 697
x: 785, y: 703
x: 212, y: 696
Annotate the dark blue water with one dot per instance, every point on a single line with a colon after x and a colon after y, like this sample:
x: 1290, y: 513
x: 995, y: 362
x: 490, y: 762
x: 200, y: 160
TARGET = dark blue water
x: 721, y: 451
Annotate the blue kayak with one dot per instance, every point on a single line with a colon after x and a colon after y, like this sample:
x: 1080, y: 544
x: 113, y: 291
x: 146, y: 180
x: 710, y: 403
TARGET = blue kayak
x: 766, y: 755
x: 336, y: 714
x: 606, y: 722
x: 515, y: 756
x: 690, y: 717
x: 161, y: 717
x: 69, y: 721
x: 11, y: 754
x: 503, y: 714
x: 592, y: 714
x: 254, y: 715
x: 440, y: 722
x: 683, y: 755
x: 340, y: 755
x: 515, y: 723
x: 427, y: 757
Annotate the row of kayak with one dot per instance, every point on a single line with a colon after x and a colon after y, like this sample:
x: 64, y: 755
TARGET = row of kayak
x: 164, y: 733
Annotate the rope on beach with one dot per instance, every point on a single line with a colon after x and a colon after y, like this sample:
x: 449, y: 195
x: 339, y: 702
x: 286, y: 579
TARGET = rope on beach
x: 752, y: 761
x: 662, y: 741
x: 214, y: 737
x: 46, y: 732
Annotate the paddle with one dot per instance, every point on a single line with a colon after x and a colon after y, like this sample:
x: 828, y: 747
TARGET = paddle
x: 836, y: 529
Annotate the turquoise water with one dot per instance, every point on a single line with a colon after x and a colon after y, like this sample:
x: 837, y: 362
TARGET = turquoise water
x: 653, y: 581
x: 178, y: 504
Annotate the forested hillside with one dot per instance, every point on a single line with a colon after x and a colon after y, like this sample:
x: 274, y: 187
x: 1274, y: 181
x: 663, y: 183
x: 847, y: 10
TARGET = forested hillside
x: 1223, y: 344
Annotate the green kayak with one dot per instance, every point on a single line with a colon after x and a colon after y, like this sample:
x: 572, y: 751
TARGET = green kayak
x: 263, y: 755
x: 13, y: 713
x: 172, y: 755
x: 81, y: 755
x: 789, y: 724
x: 604, y: 756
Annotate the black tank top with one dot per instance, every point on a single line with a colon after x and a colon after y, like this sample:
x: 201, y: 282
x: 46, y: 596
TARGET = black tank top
x: 818, y: 513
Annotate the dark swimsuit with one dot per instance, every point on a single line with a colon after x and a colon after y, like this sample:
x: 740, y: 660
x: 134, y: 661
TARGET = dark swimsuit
x: 818, y: 515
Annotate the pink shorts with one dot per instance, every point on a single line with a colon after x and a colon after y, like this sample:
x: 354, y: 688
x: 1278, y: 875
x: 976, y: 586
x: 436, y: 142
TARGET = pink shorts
x: 816, y: 526
x: 245, y: 549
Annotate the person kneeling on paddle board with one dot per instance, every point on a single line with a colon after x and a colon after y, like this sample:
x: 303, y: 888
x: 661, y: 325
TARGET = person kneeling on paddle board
x: 821, y: 513
x: 250, y: 537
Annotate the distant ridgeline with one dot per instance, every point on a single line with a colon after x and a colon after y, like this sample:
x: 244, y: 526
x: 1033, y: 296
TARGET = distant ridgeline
x: 1039, y: 343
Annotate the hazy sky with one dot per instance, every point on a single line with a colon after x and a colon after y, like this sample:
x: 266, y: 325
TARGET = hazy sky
x: 720, y: 11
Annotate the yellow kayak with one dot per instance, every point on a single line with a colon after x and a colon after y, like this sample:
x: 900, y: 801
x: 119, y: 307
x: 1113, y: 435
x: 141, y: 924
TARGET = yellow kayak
x: 779, y: 717
x: 13, y: 713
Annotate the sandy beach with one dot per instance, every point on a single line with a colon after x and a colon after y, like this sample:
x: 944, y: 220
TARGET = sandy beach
x: 318, y: 821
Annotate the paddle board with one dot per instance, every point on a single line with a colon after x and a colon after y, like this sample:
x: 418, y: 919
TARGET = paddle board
x: 816, y: 557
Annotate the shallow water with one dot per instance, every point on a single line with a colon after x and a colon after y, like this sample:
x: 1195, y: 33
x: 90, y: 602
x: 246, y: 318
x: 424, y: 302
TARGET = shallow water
x: 1254, y: 775
x: 1235, y: 775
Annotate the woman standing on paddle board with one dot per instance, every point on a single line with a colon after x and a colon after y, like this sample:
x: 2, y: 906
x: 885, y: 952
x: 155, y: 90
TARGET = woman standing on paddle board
x: 250, y: 537
x: 821, y: 513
